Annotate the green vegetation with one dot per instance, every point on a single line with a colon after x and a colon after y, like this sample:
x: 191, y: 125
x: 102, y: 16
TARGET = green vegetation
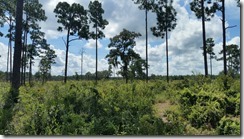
x: 176, y: 105
x: 198, y: 106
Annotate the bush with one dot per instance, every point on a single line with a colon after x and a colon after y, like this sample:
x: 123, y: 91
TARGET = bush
x: 229, y: 126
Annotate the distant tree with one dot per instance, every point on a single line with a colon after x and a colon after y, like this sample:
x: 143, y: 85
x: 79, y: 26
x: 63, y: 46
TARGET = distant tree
x: 95, y: 15
x: 137, y: 67
x: 146, y: 5
x: 122, y: 53
x: 221, y: 8
x: 233, y: 58
x: 205, y: 13
x: 45, y: 64
x: 7, y: 15
x: 198, y: 7
x: 88, y: 75
x: 77, y: 77
x: 34, y: 49
x: 209, y: 48
x: 73, y: 19
x: 33, y: 14
x: 37, y: 75
x: 4, y: 9
x: 105, y: 74
x: 166, y: 22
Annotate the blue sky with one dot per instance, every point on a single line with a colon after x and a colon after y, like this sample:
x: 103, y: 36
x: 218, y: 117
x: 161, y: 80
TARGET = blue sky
x: 184, y: 42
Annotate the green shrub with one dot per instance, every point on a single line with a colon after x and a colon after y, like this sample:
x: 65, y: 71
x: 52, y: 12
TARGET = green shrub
x: 229, y: 126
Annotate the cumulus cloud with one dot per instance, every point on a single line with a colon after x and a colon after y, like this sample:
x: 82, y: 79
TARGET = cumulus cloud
x: 92, y: 44
x: 185, y: 54
x: 3, y: 58
x: 74, y: 63
x: 185, y: 42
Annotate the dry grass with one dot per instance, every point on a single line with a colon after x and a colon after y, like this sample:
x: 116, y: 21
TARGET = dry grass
x: 160, y: 109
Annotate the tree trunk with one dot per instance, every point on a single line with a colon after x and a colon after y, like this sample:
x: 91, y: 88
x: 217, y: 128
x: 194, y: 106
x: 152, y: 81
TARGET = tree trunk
x: 167, y: 55
x: 211, y: 65
x: 146, y: 45
x: 17, y: 49
x: 7, y: 75
x: 66, y: 58
x: 96, y: 52
x: 126, y: 75
x: 23, y: 61
x: 204, y: 39
x: 30, y: 67
x: 224, y: 42
x: 224, y: 37
x: 10, y: 44
x: 25, y: 55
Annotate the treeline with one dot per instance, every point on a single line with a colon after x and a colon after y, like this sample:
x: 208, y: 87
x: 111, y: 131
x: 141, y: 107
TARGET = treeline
x: 28, y: 39
x: 88, y: 23
x: 193, y: 106
x: 105, y: 75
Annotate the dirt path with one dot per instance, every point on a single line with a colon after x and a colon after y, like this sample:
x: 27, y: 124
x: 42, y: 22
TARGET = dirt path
x: 160, y: 109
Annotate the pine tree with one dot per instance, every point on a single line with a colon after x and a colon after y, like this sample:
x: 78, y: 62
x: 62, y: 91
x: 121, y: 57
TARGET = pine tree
x: 122, y: 52
x: 73, y: 19
x: 166, y: 22
x: 95, y: 14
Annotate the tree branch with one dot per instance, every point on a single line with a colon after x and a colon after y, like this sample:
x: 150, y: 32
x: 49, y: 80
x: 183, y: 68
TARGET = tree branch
x: 230, y: 26
x: 64, y: 41
x: 74, y: 39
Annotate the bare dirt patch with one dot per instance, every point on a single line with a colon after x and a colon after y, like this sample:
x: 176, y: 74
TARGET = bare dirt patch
x: 160, y: 109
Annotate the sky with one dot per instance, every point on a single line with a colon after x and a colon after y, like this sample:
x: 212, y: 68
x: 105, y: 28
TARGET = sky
x: 185, y: 54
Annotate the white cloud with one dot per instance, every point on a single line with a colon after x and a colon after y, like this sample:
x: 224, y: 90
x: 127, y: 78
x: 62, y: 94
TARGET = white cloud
x: 74, y: 63
x: 92, y: 44
x: 235, y: 40
x: 184, y: 42
x: 185, y: 54
x: 51, y: 34
x: 3, y: 58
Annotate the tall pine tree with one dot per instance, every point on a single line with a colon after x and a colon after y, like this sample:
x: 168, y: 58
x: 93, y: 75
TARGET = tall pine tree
x: 96, y: 17
x: 166, y: 22
x: 75, y: 21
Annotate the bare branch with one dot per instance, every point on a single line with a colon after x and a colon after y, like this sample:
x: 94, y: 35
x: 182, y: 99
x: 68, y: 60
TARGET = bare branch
x: 74, y: 39
x: 64, y: 41
x: 230, y: 26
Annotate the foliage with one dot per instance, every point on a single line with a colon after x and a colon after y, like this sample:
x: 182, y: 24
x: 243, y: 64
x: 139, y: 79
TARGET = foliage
x: 144, y: 4
x: 73, y: 19
x: 33, y: 14
x: 7, y: 14
x: 229, y: 126
x: 233, y: 58
x: 122, y: 53
x: 95, y: 14
x: 209, y: 10
x: 79, y: 108
x: 166, y: 22
x: 204, y: 106
x: 196, y: 106
x: 46, y: 62
x: 164, y: 9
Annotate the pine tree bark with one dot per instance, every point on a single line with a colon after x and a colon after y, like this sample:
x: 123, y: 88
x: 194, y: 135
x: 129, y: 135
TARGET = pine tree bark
x: 204, y: 39
x: 17, y: 49
x: 224, y: 37
x: 66, y: 58
x: 146, y: 45
x: 167, y: 55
